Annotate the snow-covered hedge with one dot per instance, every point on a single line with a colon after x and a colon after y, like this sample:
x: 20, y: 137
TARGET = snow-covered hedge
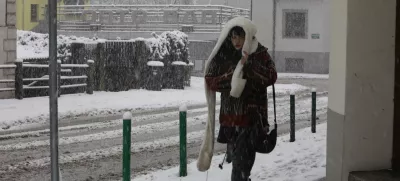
x: 164, y: 48
x: 167, y: 47
x: 34, y: 45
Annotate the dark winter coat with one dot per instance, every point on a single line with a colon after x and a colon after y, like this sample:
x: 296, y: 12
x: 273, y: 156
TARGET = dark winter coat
x: 251, y: 106
x: 243, y: 98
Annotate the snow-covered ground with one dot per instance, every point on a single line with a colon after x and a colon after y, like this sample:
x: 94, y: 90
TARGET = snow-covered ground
x: 302, y: 160
x: 303, y: 76
x: 36, y: 110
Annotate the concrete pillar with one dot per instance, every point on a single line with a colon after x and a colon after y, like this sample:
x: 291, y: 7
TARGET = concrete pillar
x: 8, y: 45
x: 362, y: 59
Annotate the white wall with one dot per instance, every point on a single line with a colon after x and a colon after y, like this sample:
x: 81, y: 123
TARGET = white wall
x: 369, y: 84
x: 263, y: 19
x: 337, y: 68
x: 327, y: 25
x: 361, y: 87
x: 316, y: 18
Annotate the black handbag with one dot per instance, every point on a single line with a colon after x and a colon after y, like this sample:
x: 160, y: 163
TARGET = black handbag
x: 266, y: 142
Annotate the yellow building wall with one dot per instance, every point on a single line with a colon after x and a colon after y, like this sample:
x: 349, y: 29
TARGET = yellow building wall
x: 24, y: 13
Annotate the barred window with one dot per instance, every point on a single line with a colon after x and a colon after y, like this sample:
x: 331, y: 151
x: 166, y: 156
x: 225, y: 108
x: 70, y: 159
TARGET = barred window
x: 295, y: 24
x: 34, y: 12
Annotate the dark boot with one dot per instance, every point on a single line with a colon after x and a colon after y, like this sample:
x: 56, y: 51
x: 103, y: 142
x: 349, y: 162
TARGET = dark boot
x: 229, y: 151
x: 243, y: 156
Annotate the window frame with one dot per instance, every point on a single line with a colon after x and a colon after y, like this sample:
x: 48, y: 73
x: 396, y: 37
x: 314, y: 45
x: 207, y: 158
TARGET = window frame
x: 294, y: 61
x: 284, y: 13
x: 36, y: 13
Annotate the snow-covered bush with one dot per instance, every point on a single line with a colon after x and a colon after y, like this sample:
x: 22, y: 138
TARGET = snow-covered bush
x: 168, y: 47
x: 177, y: 45
x: 31, y: 44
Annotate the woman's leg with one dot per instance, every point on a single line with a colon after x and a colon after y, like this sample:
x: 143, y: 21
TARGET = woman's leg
x: 243, y: 156
x: 229, y: 150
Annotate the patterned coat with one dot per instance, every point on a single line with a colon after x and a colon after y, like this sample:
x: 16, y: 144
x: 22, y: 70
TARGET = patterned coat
x: 251, y: 106
x: 248, y: 89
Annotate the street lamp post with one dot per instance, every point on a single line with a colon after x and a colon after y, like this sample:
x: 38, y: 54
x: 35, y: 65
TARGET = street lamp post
x: 53, y: 90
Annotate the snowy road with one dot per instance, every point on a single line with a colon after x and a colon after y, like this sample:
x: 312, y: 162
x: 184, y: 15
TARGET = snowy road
x: 93, y: 151
x: 90, y: 149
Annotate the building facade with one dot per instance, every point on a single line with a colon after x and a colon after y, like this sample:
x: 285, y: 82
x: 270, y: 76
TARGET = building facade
x: 31, y: 14
x: 297, y: 30
x: 8, y: 35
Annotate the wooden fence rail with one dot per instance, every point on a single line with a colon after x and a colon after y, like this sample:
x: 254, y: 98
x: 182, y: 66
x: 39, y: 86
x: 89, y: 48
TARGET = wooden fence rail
x: 20, y: 87
x: 6, y: 81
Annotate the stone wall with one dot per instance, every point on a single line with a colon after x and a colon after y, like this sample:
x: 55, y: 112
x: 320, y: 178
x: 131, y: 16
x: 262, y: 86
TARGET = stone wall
x: 8, y: 35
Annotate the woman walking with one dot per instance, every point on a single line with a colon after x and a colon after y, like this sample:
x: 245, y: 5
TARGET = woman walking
x: 241, y: 69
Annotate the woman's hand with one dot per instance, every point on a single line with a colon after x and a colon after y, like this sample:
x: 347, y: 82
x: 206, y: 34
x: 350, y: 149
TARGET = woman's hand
x: 229, y: 73
x: 244, y: 57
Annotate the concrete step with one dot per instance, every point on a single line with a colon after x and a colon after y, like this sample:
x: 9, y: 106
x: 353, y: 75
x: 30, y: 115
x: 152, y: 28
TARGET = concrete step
x: 379, y: 175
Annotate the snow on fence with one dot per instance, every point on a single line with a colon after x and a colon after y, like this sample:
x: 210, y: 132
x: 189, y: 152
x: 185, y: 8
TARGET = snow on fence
x: 62, y: 83
x: 74, y: 65
x: 7, y: 66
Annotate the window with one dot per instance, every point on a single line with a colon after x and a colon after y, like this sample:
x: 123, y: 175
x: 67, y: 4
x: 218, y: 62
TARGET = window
x: 34, y: 12
x: 46, y: 10
x: 295, y: 24
x: 294, y: 65
x: 74, y: 2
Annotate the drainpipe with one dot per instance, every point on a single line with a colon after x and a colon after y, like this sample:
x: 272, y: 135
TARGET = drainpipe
x: 23, y: 14
x: 251, y: 10
x: 274, y: 31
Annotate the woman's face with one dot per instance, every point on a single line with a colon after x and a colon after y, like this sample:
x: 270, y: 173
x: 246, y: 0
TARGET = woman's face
x: 237, y: 41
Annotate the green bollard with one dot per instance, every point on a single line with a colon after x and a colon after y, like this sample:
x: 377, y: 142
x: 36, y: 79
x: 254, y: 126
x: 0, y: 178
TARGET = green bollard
x: 182, y: 138
x: 313, y: 110
x: 292, y: 118
x: 126, y: 147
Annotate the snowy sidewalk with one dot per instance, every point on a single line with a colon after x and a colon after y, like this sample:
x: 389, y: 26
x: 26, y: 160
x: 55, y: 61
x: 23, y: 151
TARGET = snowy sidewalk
x: 15, y: 113
x: 302, y: 160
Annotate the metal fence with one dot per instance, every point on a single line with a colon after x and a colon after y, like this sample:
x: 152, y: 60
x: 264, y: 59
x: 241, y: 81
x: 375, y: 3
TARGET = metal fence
x: 199, y: 18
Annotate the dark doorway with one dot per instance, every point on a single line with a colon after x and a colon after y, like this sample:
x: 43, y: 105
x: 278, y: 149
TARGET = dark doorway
x: 396, y: 120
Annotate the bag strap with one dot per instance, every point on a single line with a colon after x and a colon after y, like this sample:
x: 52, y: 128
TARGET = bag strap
x: 273, y: 96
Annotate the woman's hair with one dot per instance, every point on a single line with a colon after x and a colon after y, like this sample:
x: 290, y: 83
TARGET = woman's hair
x: 237, y: 30
x: 227, y: 51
